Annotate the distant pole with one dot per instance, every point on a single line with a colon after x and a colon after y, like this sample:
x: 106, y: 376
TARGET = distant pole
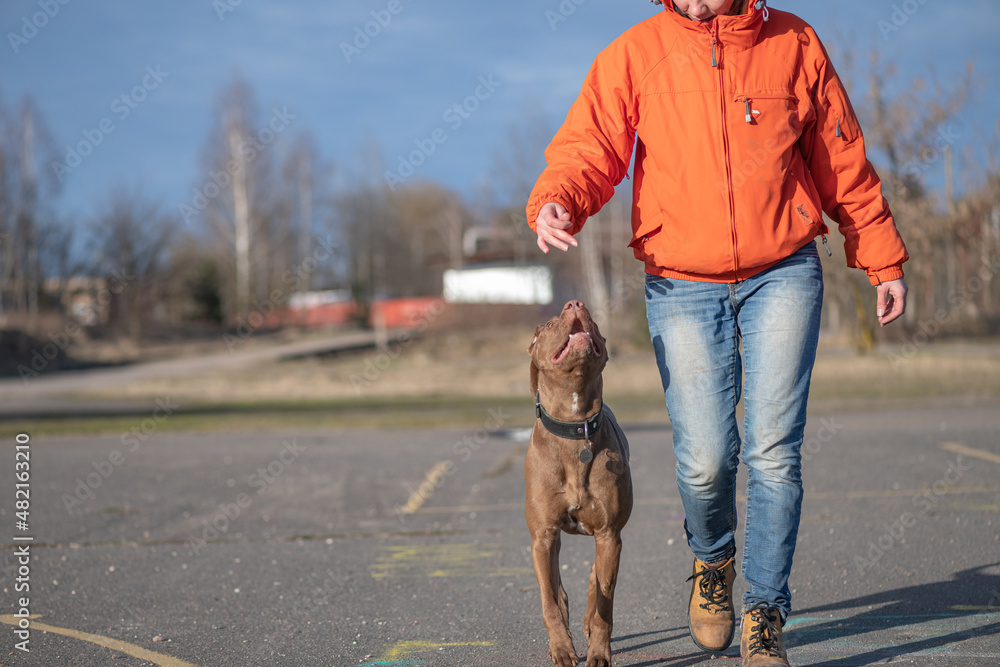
x: 305, y: 212
x: 949, y: 179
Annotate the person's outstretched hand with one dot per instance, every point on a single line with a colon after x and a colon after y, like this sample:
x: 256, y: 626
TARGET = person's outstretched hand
x: 551, y: 225
x: 891, y: 301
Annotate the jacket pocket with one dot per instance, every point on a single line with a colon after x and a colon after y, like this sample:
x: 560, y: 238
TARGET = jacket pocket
x: 768, y: 109
x: 841, y: 123
x: 641, y: 238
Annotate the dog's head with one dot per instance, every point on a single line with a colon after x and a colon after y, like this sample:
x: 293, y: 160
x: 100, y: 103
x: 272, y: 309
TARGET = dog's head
x: 570, y: 344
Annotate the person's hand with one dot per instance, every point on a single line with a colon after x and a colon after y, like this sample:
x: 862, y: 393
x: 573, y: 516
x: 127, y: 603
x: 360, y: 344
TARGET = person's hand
x: 891, y: 301
x: 551, y: 225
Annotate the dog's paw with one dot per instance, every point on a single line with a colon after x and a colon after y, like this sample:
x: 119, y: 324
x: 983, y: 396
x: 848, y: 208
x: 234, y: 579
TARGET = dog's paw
x: 564, y: 656
x: 599, y: 659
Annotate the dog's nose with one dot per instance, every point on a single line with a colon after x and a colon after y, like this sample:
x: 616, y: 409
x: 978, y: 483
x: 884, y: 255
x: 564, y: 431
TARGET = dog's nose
x: 574, y: 305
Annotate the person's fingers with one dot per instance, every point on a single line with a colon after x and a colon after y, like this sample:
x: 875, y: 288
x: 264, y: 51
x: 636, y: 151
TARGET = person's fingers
x: 891, y: 301
x: 552, y: 225
x: 542, y: 245
x: 556, y: 238
x: 555, y: 216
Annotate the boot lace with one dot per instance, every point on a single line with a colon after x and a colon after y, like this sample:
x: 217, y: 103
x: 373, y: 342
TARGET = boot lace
x: 712, y: 588
x: 764, y: 636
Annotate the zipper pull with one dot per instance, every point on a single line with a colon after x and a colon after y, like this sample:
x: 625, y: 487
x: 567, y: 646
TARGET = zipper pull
x: 749, y: 116
x: 715, y: 62
x: 838, y: 128
x: 829, y: 253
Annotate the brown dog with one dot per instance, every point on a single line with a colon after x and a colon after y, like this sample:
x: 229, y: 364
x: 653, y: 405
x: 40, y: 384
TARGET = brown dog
x: 577, y: 477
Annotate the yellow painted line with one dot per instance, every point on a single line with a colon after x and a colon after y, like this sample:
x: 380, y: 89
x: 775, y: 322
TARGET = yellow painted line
x: 442, y: 560
x: 107, y: 642
x: 981, y: 508
x: 426, y: 488
x: 465, y: 509
x: 810, y: 495
x: 892, y: 493
x: 959, y: 448
x: 406, y: 648
x: 971, y: 607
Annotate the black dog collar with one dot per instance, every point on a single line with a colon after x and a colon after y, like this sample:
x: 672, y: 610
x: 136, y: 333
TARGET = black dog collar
x: 581, y: 430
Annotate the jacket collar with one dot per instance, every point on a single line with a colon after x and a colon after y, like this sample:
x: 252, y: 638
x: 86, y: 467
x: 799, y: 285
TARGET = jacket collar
x: 738, y: 31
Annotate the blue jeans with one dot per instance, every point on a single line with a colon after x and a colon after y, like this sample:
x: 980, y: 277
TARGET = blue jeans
x: 696, y: 329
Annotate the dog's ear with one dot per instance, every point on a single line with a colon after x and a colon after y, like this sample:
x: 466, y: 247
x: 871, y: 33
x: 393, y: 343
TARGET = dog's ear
x: 535, y: 339
x: 534, y: 368
x: 595, y: 331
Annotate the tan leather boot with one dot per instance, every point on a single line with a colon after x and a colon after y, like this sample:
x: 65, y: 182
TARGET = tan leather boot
x: 761, y: 644
x: 711, y: 618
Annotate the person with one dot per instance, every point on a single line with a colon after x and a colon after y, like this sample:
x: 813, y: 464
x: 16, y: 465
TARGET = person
x: 743, y: 136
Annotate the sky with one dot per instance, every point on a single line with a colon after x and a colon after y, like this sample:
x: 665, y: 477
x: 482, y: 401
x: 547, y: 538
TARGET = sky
x: 384, y: 93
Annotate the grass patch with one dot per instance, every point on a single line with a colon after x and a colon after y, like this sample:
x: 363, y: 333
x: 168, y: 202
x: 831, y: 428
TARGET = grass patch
x: 395, y: 413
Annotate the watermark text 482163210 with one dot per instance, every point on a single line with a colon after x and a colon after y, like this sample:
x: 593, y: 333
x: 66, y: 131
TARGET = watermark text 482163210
x: 22, y: 546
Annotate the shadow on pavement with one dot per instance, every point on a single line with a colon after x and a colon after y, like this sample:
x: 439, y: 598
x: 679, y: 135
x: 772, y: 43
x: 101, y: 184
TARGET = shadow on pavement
x: 969, y: 593
x: 692, y: 658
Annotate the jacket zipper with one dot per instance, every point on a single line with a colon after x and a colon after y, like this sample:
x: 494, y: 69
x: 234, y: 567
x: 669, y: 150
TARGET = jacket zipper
x: 725, y: 151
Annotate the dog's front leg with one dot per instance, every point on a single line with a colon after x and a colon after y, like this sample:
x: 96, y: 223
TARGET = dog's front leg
x: 591, y: 599
x: 545, y: 544
x: 600, y: 602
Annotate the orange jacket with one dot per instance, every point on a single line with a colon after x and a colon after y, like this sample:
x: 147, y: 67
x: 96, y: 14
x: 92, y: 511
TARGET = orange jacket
x: 745, y: 135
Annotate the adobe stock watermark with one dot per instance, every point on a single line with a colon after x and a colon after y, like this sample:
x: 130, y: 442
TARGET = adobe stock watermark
x: 957, y: 298
x: 561, y: 14
x: 827, y: 431
x: 454, y: 116
x: 946, y: 138
x: 365, y: 33
x: 379, y: 363
x: 262, y: 480
x: 898, y: 17
x: 223, y: 7
x: 754, y: 159
x: 892, y: 534
x: 105, y: 468
x: 463, y: 448
x: 291, y: 280
x: 42, y: 358
x: 248, y: 149
x: 30, y: 26
x: 122, y: 107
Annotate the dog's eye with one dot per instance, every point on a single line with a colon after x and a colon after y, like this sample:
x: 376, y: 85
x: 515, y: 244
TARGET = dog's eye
x: 548, y: 325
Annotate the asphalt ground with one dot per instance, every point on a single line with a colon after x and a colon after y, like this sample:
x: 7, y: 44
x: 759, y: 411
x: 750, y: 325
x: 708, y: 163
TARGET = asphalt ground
x: 395, y: 547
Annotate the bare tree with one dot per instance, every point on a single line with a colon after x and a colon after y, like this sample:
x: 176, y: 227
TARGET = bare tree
x: 912, y: 134
x: 26, y: 193
x: 306, y: 206
x: 131, y: 237
x: 239, y: 178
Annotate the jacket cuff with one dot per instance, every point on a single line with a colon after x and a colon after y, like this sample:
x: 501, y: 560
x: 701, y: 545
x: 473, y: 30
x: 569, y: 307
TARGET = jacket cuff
x: 885, y: 275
